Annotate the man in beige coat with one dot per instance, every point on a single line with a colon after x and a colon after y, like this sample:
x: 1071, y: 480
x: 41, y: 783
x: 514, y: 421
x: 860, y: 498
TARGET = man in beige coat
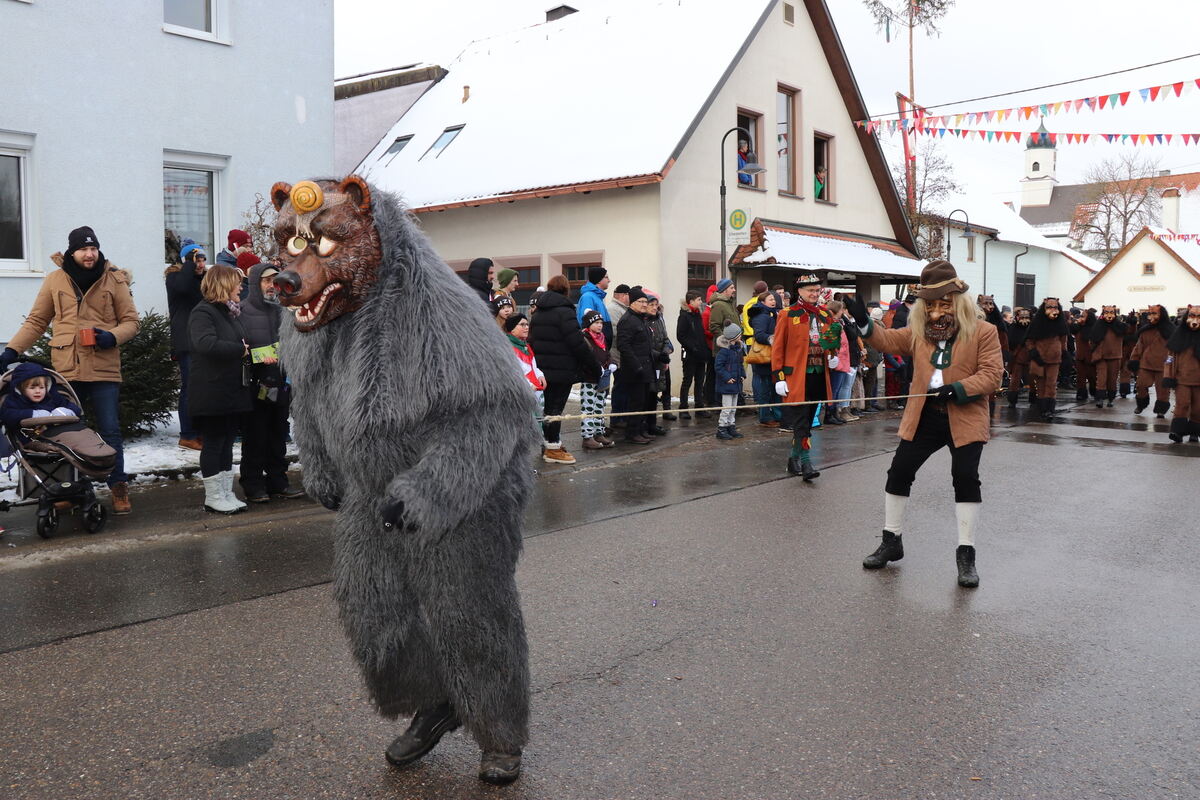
x: 89, y: 309
x: 956, y: 358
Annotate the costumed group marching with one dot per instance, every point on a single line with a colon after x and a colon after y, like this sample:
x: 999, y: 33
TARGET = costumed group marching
x: 419, y: 464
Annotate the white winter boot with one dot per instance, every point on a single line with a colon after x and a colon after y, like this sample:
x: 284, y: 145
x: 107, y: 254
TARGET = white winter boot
x: 214, y: 495
x: 227, y: 485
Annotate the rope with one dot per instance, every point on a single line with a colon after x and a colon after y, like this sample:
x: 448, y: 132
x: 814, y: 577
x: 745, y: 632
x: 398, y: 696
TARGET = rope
x: 564, y: 417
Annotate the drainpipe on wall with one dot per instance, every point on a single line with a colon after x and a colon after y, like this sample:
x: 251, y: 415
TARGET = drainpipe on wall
x: 989, y: 240
x: 1015, y: 258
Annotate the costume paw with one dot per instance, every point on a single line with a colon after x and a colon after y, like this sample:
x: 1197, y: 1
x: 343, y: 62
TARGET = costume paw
x: 325, y: 492
x: 332, y: 502
x: 394, y: 519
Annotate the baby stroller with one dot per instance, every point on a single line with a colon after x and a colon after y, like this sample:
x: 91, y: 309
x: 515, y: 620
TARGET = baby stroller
x: 57, y: 458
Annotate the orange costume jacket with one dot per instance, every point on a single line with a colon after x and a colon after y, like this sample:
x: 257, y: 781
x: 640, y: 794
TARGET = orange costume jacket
x: 789, y: 352
x: 975, y: 370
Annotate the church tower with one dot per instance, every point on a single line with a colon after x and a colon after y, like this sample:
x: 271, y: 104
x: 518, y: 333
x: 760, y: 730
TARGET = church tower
x: 1041, y: 163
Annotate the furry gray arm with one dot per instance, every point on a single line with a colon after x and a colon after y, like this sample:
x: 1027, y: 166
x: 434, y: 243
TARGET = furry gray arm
x: 320, y: 478
x: 454, y: 476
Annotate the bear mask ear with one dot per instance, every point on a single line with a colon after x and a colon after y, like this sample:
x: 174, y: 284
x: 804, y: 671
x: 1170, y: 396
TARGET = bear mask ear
x: 360, y: 195
x: 280, y: 193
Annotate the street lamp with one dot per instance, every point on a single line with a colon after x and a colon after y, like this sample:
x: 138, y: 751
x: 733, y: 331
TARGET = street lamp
x: 968, y: 234
x: 750, y: 168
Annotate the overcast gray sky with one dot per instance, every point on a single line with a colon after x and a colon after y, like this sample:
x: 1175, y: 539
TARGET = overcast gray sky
x: 985, y: 47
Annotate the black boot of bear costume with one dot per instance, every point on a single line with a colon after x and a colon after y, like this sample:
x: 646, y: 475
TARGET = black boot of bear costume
x: 427, y: 729
x: 1125, y: 390
x: 1142, y: 402
x: 1100, y: 398
x: 1161, y: 407
x: 1081, y: 395
x: 1179, y: 428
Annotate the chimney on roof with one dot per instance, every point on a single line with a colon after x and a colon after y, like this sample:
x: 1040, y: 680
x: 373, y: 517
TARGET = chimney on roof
x: 1170, y: 209
x: 558, y: 12
x: 1163, y: 173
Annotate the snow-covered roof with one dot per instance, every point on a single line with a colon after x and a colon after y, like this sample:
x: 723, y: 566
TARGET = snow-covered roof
x: 1011, y: 227
x: 1185, y: 246
x: 587, y: 98
x: 803, y: 250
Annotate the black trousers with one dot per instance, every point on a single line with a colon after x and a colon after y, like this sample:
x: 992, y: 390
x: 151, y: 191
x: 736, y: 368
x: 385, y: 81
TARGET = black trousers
x: 638, y: 397
x: 710, y: 381
x: 933, y: 433
x: 555, y: 397
x: 216, y: 449
x: 800, y: 418
x: 264, y: 448
x: 695, y: 368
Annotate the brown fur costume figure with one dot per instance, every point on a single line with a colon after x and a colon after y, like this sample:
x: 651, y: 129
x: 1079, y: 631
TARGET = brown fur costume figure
x: 1107, y: 337
x: 1046, y: 341
x: 1148, y: 358
x: 1182, y: 373
x: 414, y: 431
x: 1085, y: 370
x: 1018, y: 360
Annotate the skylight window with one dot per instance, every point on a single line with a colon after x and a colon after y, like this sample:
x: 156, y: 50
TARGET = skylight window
x: 395, y: 149
x: 443, y: 141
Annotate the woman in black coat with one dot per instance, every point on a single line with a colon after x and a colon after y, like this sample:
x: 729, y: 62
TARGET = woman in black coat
x: 564, y: 357
x: 218, y: 389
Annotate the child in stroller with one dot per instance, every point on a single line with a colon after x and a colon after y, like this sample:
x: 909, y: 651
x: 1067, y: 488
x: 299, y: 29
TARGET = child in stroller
x: 52, y: 446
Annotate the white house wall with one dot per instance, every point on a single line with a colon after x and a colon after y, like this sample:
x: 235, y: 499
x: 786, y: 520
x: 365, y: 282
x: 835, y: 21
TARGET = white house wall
x: 1124, y: 285
x: 1000, y: 269
x: 621, y: 225
x: 779, y: 54
x: 103, y: 91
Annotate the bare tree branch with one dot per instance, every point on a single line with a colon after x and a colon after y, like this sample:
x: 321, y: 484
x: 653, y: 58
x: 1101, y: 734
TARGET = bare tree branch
x: 934, y: 183
x: 1125, y: 195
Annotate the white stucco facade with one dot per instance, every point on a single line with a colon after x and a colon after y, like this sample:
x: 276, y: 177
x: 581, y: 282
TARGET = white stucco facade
x: 1126, y: 284
x: 107, y: 95
x: 647, y: 234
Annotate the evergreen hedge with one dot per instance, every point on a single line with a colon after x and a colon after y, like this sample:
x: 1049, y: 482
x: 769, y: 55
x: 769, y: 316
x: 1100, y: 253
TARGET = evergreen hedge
x: 150, y: 379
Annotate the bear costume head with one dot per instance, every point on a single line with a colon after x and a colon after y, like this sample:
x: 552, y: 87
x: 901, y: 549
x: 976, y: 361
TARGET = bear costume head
x: 329, y: 248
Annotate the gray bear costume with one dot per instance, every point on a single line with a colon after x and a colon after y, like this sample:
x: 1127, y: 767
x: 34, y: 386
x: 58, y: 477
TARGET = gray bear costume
x: 399, y: 404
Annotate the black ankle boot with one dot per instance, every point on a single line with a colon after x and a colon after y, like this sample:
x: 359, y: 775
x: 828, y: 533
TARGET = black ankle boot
x: 965, y: 556
x: 1140, y: 404
x: 890, y: 549
x: 1100, y: 398
x: 1012, y: 399
x: 1179, y: 429
x: 808, y: 472
x: 793, y: 466
x: 500, y: 768
x: 1161, y: 407
x: 1125, y: 390
x: 1081, y: 396
x: 831, y: 418
x: 423, y: 734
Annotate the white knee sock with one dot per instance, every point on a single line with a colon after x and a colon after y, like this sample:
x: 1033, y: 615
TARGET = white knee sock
x: 967, y: 514
x: 893, y: 512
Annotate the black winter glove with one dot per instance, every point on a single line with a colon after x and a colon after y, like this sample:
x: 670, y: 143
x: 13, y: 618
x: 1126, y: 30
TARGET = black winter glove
x: 1035, y: 355
x: 105, y: 339
x: 1170, y: 383
x: 945, y: 392
x: 7, y: 358
x: 1134, y: 366
x: 858, y: 310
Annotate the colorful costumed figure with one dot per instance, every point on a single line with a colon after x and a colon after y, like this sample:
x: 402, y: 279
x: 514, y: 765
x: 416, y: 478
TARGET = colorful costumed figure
x: 1046, y: 342
x: 420, y: 435
x: 956, y: 358
x: 1107, y: 337
x: 1148, y: 360
x: 807, y: 339
x: 1181, y: 372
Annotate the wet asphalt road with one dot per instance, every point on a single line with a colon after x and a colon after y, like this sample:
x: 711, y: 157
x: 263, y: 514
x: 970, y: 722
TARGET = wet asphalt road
x: 699, y: 627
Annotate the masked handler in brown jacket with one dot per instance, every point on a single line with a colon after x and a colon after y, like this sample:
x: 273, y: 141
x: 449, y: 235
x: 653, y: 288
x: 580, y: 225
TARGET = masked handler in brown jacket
x: 957, y: 359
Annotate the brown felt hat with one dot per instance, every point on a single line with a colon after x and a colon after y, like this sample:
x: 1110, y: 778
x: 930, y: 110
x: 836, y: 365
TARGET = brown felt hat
x: 939, y: 279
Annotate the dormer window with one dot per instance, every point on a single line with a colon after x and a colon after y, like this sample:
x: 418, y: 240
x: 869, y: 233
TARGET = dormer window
x: 443, y: 141
x: 395, y: 149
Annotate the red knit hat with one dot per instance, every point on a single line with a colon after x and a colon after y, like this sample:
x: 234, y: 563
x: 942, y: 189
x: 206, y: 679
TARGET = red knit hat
x: 246, y: 261
x: 237, y: 238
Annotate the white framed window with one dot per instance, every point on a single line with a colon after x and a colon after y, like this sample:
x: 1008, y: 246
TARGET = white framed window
x: 192, y: 189
x: 16, y: 206
x: 197, y: 19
